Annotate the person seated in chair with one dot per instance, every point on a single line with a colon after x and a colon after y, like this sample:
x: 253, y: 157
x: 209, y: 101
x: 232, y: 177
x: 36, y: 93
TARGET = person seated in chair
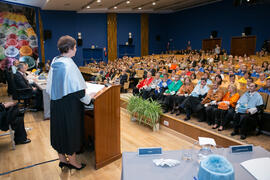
x: 123, y: 78
x: 21, y: 82
x: 246, y: 110
x: 171, y: 91
x: 144, y: 84
x: 209, y: 103
x: 266, y: 88
x: 261, y: 81
x: 191, y: 103
x: 181, y: 95
x: 15, y: 66
x: 226, y: 108
x: 10, y: 115
x: 154, y: 84
x: 161, y: 88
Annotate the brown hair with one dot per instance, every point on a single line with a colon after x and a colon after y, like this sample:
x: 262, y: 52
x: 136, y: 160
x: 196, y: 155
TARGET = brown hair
x: 65, y: 43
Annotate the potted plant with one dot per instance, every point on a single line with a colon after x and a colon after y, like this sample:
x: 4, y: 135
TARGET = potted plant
x: 145, y: 111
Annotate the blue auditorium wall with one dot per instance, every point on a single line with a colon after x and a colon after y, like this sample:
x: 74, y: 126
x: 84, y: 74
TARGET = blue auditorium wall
x: 197, y: 23
x: 129, y: 23
x: 156, y: 28
x: 59, y: 23
x: 94, y: 32
x: 92, y: 26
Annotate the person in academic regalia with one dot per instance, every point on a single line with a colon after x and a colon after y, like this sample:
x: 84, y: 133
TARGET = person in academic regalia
x: 66, y: 88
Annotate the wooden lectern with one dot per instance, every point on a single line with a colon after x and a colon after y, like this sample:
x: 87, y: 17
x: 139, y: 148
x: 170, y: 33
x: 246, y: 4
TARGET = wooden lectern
x: 103, y: 126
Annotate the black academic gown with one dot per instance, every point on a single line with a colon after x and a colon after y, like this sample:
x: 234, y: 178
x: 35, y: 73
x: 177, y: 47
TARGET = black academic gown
x: 67, y: 115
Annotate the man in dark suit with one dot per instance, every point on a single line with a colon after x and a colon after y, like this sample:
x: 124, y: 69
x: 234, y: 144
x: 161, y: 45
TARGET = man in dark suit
x: 21, y: 82
x: 10, y: 115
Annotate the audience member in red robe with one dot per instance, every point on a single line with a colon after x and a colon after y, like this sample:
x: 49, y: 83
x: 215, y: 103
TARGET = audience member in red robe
x: 144, y: 84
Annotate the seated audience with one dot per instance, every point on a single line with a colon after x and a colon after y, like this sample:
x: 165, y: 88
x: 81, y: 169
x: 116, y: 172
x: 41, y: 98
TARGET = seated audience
x: 246, y: 110
x: 161, y: 88
x: 144, y: 84
x: 261, y: 80
x: 266, y: 88
x: 226, y: 108
x: 21, y: 82
x: 154, y: 84
x: 231, y: 81
x: 257, y: 72
x: 193, y: 78
x: 181, y: 95
x: 122, y: 79
x: 10, y: 115
x: 243, y: 79
x: 171, y: 91
x: 190, y: 104
x: 116, y: 77
x: 15, y: 66
x: 209, y: 103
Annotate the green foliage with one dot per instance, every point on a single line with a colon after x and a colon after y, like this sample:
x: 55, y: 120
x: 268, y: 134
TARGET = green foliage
x: 147, y: 111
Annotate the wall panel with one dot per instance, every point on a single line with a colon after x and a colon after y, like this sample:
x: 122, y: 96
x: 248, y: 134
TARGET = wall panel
x: 144, y: 34
x: 112, y: 36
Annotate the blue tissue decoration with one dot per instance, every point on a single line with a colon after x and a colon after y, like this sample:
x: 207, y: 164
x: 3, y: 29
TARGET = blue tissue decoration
x: 215, y: 167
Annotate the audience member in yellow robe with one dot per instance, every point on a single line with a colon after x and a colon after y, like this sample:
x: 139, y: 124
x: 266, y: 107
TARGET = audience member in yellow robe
x: 244, y: 78
x: 231, y: 80
x: 261, y: 80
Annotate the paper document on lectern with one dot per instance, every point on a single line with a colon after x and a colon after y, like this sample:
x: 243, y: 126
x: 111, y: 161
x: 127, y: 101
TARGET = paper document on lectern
x: 93, y: 88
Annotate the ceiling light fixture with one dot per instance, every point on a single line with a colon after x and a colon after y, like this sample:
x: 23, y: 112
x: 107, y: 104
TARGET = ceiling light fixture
x: 154, y: 3
x: 139, y: 8
x: 87, y: 7
x: 98, y: 1
x: 115, y: 7
x: 128, y: 2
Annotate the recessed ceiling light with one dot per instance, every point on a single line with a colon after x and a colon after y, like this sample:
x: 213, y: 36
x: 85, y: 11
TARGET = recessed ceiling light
x: 139, y: 8
x: 154, y: 3
x: 115, y: 7
x: 128, y: 2
x: 98, y: 1
x: 87, y: 7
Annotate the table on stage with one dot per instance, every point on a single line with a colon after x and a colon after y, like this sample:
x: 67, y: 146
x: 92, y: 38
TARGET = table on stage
x: 41, y: 85
x: 136, y: 167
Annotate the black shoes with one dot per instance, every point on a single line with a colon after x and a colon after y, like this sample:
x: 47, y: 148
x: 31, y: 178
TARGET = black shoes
x: 62, y: 165
x: 74, y: 167
x: 178, y: 113
x: 187, y: 118
x: 243, y: 136
x: 23, y: 142
x: 234, y: 133
x: 70, y: 166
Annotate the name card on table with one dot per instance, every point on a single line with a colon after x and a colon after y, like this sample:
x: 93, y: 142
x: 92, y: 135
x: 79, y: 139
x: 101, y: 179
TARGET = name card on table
x: 241, y: 148
x: 149, y: 151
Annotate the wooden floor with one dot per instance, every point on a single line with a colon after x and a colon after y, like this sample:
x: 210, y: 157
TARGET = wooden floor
x: 39, y: 150
x: 262, y: 140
